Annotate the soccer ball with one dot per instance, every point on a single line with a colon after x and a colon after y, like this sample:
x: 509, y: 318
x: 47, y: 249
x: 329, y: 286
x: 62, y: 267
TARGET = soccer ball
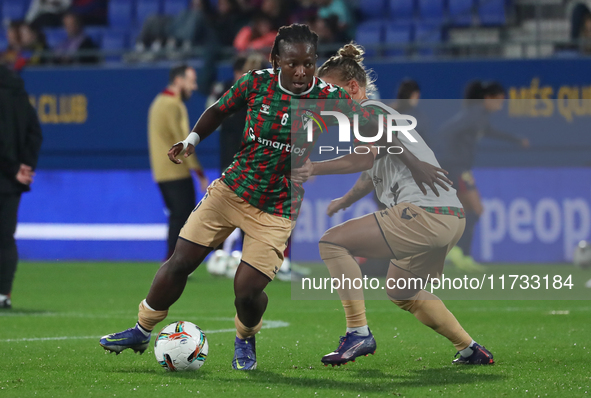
x: 181, y: 346
x: 582, y: 256
x: 217, y: 263
x: 223, y: 264
x: 232, y: 263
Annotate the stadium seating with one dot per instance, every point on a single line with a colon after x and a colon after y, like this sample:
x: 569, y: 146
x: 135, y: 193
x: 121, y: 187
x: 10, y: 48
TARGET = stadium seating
x: 427, y: 34
x: 432, y: 11
x: 492, y: 12
x: 114, y: 40
x: 370, y: 35
x: 14, y: 9
x: 120, y: 13
x: 173, y: 7
x: 460, y: 12
x: 372, y: 9
x: 384, y: 22
x: 96, y: 34
x: 145, y: 8
x: 402, y: 10
x: 400, y: 34
x: 54, y: 36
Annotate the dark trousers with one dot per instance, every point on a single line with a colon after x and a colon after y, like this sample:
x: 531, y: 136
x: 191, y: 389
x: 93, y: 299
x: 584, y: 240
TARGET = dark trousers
x: 8, y: 253
x: 179, y: 198
x: 465, y: 242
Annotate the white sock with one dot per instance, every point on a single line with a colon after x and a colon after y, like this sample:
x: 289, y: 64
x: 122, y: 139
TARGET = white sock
x: 466, y: 352
x: 147, y: 306
x: 141, y: 329
x: 3, y: 297
x: 361, y: 331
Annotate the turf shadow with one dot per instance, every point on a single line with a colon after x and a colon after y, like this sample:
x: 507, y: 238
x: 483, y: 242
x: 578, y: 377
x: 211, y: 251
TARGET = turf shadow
x: 383, y: 382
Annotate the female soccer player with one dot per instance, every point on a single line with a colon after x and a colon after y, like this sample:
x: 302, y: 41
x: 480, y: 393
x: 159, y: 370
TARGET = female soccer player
x: 458, y: 139
x: 254, y: 193
x: 416, y: 231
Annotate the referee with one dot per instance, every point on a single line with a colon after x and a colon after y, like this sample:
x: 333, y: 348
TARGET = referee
x: 168, y: 123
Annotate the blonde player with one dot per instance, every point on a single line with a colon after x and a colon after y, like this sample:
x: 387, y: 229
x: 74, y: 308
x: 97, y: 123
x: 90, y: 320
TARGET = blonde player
x: 416, y: 231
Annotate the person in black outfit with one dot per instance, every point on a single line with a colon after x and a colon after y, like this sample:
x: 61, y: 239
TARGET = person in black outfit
x: 20, y: 142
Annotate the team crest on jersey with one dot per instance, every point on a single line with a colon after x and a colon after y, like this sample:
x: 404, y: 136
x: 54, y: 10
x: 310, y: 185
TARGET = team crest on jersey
x: 265, y: 108
x: 312, y: 117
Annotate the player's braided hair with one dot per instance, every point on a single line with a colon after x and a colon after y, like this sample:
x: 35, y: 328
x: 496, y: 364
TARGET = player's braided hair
x: 294, y: 33
x: 348, y: 65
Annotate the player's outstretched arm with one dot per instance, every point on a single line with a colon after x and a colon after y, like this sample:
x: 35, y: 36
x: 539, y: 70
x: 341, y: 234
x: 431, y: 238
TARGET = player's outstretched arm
x: 362, y: 187
x: 422, y: 172
x: 491, y: 132
x: 348, y: 164
x: 207, y: 123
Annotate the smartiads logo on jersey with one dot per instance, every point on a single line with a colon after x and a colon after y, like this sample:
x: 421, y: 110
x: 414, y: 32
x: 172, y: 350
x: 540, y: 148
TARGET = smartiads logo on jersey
x: 282, y: 146
x: 313, y: 123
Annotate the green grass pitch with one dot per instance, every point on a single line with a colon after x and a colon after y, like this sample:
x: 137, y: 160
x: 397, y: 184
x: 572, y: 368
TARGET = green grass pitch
x: 49, y: 343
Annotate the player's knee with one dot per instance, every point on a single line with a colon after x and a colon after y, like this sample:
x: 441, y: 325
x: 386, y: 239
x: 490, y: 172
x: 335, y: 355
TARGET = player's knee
x: 333, y: 235
x: 181, y: 263
x: 406, y: 305
x: 247, y: 297
x: 329, y: 250
x: 404, y: 299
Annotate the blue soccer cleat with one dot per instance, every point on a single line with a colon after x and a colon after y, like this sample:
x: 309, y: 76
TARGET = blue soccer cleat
x: 245, y: 357
x: 480, y: 356
x: 351, y: 346
x: 131, y: 338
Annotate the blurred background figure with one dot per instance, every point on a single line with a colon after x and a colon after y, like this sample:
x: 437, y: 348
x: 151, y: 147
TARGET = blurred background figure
x: 408, y: 96
x: 12, y: 57
x: 277, y: 11
x: 68, y: 51
x: 47, y: 13
x: 258, y: 35
x: 91, y: 12
x: 329, y: 34
x: 34, y: 45
x: 20, y: 142
x: 340, y: 9
x: 458, y: 141
x: 223, y: 24
x: 585, y: 35
x: 184, y: 30
x: 232, y: 128
x: 168, y: 123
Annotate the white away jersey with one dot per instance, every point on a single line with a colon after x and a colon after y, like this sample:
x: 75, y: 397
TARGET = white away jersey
x: 393, y: 181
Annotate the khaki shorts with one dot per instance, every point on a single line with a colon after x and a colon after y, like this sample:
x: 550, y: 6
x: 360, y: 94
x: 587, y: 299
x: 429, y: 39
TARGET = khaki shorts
x: 221, y: 211
x: 419, y: 239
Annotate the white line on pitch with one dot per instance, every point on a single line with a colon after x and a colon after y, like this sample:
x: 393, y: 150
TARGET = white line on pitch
x: 266, y: 325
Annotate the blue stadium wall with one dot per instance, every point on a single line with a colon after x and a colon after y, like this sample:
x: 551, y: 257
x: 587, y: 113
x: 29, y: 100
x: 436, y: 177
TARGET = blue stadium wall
x: 93, y: 198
